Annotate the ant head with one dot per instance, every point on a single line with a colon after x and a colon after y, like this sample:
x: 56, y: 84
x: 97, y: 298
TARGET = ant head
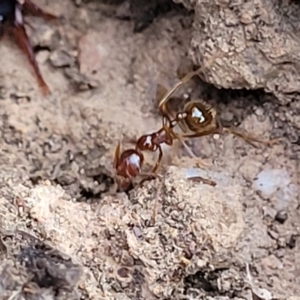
x: 199, y: 116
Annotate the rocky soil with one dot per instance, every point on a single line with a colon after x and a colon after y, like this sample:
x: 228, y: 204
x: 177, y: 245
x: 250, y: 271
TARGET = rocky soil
x: 65, y: 235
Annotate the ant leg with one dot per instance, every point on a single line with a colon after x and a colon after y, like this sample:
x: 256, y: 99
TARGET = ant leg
x: 37, y: 11
x: 250, y: 139
x: 169, y: 115
x: 148, y: 177
x: 184, y: 68
x: 120, y: 183
x: 25, y: 45
x: 245, y: 137
x: 117, y: 155
x: 176, y: 136
x: 164, y: 110
x: 160, y: 92
x: 160, y: 155
x: 153, y: 172
x: 165, y: 98
x: 200, y: 162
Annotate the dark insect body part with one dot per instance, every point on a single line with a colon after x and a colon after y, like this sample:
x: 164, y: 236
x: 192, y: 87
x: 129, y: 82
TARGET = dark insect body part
x: 195, y: 120
x: 12, y: 14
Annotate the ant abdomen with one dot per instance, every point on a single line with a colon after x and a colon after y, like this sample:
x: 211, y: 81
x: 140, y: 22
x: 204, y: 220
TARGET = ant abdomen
x: 199, y: 117
x: 130, y: 163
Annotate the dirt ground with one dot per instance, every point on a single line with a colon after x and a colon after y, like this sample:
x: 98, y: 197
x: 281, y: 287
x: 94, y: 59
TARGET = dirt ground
x: 63, y: 236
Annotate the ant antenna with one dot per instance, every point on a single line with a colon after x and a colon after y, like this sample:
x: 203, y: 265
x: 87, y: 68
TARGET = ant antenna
x: 186, y: 78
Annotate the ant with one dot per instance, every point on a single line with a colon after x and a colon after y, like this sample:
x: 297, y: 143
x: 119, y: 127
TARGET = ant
x: 11, y: 11
x: 128, y: 164
x: 197, y: 116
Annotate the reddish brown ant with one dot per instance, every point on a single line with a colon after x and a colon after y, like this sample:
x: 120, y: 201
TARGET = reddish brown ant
x: 11, y: 12
x: 128, y: 164
x: 197, y: 116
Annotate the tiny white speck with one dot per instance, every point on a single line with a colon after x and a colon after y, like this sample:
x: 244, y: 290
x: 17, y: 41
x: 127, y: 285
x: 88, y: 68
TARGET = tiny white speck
x: 148, y: 140
x: 197, y: 113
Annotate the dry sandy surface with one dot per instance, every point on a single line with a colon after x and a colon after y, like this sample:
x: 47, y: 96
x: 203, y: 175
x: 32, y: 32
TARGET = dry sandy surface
x: 64, y: 237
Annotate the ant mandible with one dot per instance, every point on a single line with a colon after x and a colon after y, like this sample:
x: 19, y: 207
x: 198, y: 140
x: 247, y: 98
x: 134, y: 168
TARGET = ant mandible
x: 197, y: 116
x: 11, y: 12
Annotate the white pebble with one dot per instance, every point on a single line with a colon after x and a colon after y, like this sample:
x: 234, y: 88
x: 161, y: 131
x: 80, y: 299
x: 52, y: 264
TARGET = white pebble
x: 269, y: 181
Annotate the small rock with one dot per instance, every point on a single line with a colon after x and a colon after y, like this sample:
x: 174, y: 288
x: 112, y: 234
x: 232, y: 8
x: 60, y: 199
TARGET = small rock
x: 45, y: 37
x: 60, y: 58
x: 292, y: 242
x: 42, y: 56
x: 281, y: 216
x: 124, y: 272
x: 273, y: 234
x: 280, y: 253
x: 82, y: 20
x: 246, y: 18
x: 269, y: 212
x: 259, y: 111
x: 271, y: 263
x: 81, y: 82
x: 92, y: 52
x: 227, y: 116
x: 269, y: 180
x: 281, y: 242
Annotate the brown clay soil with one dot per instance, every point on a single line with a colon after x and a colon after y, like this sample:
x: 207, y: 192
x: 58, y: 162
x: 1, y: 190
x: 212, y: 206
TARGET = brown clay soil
x: 64, y: 237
